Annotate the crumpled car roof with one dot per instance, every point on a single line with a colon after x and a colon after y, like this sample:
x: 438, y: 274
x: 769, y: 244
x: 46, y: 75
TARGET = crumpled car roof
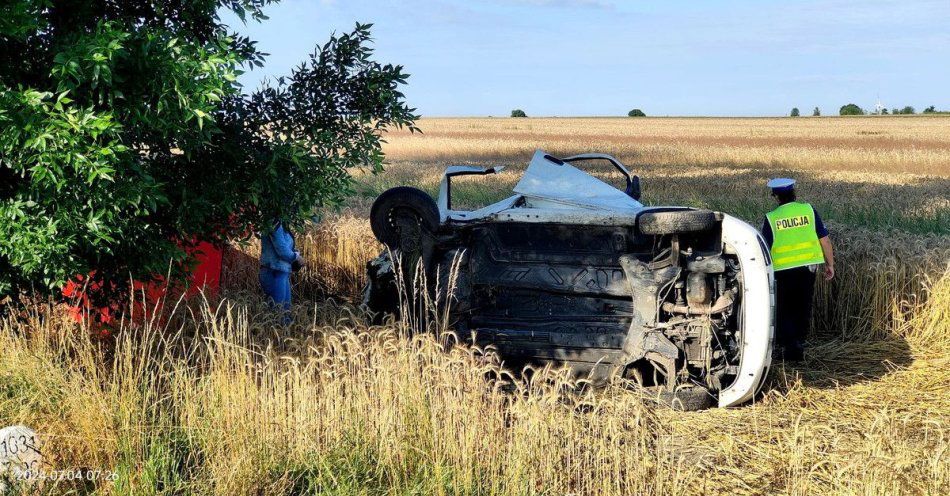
x: 569, y: 186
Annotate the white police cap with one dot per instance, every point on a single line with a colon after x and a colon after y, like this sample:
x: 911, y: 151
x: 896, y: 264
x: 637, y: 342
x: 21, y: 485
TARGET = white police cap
x: 781, y: 183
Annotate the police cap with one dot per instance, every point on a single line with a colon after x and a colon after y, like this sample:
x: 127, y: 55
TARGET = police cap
x: 781, y: 184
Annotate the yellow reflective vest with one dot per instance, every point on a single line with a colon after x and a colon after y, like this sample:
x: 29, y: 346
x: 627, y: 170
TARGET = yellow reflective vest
x: 794, y: 239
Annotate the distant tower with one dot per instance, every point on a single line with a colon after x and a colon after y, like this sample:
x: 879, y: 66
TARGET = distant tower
x: 879, y: 107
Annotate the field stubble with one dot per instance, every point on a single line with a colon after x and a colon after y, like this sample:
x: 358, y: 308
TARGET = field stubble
x: 222, y: 400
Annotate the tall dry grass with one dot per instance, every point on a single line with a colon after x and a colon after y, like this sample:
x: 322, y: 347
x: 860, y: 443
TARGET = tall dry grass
x: 221, y: 399
x: 206, y: 405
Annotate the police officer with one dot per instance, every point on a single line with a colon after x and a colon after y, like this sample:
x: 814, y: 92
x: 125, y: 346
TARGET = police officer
x: 799, y: 243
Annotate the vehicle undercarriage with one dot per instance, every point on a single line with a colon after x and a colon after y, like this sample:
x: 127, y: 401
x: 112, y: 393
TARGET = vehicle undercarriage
x: 654, y: 295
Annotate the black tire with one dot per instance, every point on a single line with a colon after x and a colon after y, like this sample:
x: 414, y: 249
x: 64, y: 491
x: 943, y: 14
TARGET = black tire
x: 679, y: 221
x: 687, y: 399
x: 398, y: 204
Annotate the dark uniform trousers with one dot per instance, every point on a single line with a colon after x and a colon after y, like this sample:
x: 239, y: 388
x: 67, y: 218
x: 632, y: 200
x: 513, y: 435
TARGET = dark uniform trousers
x: 794, y: 292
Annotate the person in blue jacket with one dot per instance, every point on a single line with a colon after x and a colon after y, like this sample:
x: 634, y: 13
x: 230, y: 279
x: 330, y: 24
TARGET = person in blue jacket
x: 278, y: 260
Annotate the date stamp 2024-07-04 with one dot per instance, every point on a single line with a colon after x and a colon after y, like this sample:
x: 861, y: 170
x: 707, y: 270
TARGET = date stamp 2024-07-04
x: 21, y: 460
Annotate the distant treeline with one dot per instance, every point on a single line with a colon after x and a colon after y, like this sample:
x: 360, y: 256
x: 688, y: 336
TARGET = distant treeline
x: 849, y: 109
x: 854, y: 109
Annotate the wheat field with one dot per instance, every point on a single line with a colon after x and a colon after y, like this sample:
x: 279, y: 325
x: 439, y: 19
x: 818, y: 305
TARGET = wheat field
x: 217, y: 398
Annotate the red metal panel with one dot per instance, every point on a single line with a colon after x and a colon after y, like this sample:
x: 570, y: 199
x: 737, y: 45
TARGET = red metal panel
x: 206, y: 276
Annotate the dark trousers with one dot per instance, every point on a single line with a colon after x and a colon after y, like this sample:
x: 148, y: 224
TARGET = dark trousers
x: 794, y: 291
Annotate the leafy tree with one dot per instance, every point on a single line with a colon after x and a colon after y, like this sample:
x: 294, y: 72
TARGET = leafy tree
x: 908, y: 110
x: 816, y: 112
x: 884, y: 111
x: 795, y: 112
x: 851, y: 109
x: 636, y: 113
x: 518, y: 113
x: 895, y: 111
x: 125, y: 137
x: 930, y: 110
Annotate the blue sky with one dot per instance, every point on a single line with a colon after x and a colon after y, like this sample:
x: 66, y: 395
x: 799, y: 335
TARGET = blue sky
x: 604, y: 57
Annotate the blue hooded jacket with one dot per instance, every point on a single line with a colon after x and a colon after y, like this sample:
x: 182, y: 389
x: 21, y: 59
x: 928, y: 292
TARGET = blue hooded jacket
x: 277, y: 249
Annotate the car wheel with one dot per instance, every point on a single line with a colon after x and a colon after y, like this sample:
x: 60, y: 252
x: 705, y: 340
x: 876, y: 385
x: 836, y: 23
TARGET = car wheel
x: 679, y: 221
x: 401, y: 215
x: 684, y: 398
x: 687, y: 399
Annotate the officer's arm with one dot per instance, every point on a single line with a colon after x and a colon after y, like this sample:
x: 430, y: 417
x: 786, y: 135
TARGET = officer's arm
x: 767, y: 232
x: 829, y: 256
x: 283, y: 245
